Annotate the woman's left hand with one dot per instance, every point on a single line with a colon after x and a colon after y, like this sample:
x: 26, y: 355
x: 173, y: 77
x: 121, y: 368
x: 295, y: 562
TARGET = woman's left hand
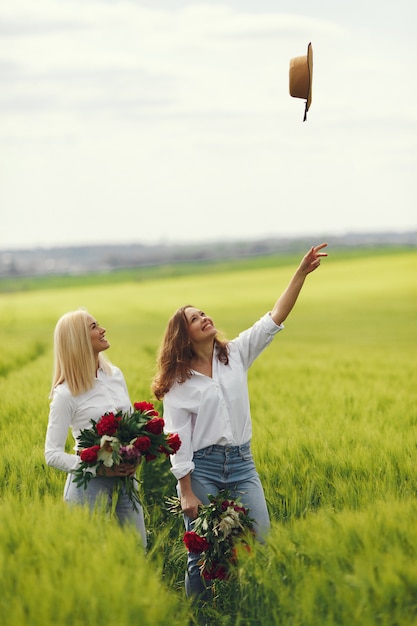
x: 122, y: 469
x: 128, y: 469
x: 311, y: 260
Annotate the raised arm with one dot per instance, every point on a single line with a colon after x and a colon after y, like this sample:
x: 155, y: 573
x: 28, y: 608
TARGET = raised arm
x: 288, y: 298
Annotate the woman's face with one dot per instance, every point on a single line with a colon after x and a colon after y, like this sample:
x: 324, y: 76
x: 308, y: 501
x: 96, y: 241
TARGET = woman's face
x: 98, y: 336
x: 200, y: 326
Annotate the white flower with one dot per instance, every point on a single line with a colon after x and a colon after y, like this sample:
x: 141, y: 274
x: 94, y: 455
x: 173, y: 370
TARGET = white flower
x: 226, y: 525
x: 229, y: 521
x: 108, y: 445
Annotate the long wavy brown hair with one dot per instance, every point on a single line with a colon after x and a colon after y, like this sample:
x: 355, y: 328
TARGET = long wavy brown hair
x: 176, y: 354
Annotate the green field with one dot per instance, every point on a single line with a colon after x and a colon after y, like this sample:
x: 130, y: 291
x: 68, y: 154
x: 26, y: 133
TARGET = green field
x: 335, y: 434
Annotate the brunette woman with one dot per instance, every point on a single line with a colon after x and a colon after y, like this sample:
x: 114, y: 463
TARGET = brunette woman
x: 203, y: 383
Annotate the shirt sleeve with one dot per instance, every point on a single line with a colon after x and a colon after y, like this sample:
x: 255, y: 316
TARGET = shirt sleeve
x: 254, y: 340
x: 118, y: 374
x: 179, y: 420
x: 60, y: 417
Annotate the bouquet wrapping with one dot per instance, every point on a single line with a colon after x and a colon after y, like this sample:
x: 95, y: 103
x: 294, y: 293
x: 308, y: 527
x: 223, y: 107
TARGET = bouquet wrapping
x: 123, y: 437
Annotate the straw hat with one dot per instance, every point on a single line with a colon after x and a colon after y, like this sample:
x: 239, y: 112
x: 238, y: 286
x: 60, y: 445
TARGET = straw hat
x: 301, y: 78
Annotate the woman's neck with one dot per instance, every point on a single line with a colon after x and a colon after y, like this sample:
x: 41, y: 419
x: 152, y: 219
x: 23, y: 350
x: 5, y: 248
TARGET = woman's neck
x: 202, y: 362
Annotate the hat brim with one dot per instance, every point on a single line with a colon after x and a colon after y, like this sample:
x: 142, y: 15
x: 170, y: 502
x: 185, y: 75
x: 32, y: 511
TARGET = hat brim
x: 310, y: 75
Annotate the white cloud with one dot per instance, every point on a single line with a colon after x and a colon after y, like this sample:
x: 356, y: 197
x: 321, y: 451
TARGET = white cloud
x: 119, y: 120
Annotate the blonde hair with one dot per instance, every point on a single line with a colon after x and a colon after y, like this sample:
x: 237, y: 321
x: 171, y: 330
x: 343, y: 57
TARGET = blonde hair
x: 74, y: 360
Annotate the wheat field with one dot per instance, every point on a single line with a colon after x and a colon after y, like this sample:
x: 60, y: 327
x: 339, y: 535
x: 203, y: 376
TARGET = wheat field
x: 335, y: 431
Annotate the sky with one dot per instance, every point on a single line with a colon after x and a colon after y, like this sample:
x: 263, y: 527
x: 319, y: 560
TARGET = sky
x: 171, y: 121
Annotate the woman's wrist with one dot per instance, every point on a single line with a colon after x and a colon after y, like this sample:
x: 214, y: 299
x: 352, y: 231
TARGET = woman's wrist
x: 101, y: 470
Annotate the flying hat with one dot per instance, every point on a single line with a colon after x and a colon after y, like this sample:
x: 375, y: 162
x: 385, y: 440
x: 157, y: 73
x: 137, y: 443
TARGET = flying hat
x: 301, y: 78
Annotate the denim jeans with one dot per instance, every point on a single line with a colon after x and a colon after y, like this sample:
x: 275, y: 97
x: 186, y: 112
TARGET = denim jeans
x: 231, y: 468
x: 103, y: 487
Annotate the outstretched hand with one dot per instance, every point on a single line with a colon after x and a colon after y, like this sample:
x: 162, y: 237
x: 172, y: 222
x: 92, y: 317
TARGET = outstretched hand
x: 312, y: 259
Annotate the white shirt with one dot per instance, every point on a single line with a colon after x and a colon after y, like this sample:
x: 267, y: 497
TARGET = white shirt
x: 208, y: 411
x: 109, y: 393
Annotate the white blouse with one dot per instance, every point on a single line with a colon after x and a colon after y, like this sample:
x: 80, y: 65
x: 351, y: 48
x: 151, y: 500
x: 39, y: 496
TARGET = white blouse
x: 109, y: 393
x: 208, y: 411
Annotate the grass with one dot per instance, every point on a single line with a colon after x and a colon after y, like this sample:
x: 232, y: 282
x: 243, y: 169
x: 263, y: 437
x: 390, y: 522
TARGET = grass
x: 66, y: 566
x: 335, y: 430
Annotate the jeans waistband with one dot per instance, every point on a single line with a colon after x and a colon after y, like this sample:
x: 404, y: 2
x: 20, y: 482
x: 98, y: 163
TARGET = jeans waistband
x: 228, y: 448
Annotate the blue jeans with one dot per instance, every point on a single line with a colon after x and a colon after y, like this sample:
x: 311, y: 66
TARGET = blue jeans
x: 103, y: 487
x: 231, y: 468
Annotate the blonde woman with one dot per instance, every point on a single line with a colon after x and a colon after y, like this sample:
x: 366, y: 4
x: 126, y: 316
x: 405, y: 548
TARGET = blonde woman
x: 86, y: 385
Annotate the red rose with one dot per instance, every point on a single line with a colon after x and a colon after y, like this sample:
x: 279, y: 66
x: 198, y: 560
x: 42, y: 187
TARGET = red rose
x: 155, y: 426
x: 150, y: 457
x: 217, y: 571
x: 145, y: 407
x: 174, y: 442
x: 236, y: 550
x: 142, y: 443
x: 89, y: 455
x: 195, y: 543
x: 108, y: 424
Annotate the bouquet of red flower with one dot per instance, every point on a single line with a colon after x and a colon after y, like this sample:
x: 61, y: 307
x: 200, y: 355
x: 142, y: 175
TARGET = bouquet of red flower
x: 123, y: 438
x: 222, y: 528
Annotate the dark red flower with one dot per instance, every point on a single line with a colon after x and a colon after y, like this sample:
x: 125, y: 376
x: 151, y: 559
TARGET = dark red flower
x: 221, y: 573
x: 237, y: 549
x: 150, y: 457
x: 145, y: 406
x: 108, y: 424
x: 217, y: 571
x: 155, y: 426
x: 174, y: 443
x: 225, y: 504
x: 142, y: 443
x: 89, y: 455
x: 195, y: 543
